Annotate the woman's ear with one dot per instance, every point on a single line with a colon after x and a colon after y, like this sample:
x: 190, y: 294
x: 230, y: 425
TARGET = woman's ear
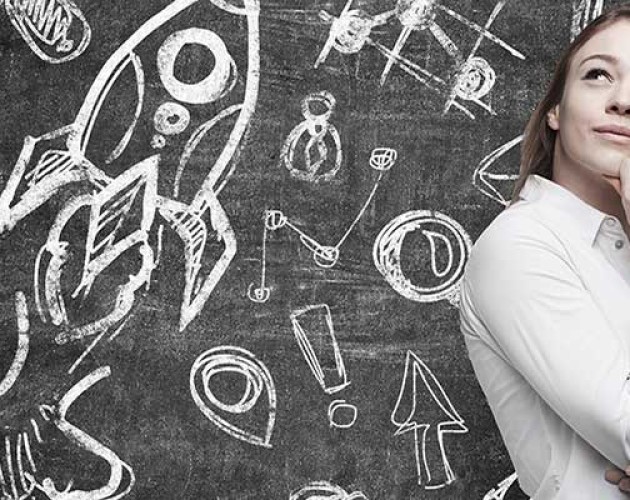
x: 553, y: 117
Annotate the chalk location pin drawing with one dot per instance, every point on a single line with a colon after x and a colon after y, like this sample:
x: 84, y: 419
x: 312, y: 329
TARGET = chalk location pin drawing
x: 230, y: 360
x: 423, y: 408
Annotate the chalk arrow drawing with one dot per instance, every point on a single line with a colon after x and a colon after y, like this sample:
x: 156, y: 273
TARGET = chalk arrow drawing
x: 495, y: 177
x: 424, y: 408
x: 502, y: 489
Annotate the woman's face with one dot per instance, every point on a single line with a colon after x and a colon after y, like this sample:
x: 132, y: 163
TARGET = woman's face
x: 593, y: 117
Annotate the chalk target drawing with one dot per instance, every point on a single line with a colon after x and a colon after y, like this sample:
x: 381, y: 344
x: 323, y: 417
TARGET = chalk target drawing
x: 234, y: 360
x: 381, y: 160
x: 472, y: 77
x: 424, y: 408
x: 48, y: 26
x: 324, y: 490
x: 318, y: 128
x: 440, y: 231
x: 49, y: 163
x: 494, y: 177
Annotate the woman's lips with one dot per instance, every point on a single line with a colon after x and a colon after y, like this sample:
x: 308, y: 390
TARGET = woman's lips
x: 614, y: 133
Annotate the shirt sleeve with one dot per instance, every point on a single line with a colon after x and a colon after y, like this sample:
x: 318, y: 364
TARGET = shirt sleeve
x: 546, y: 324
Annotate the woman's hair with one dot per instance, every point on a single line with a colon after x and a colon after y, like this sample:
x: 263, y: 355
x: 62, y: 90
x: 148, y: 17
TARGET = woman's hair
x: 539, y: 139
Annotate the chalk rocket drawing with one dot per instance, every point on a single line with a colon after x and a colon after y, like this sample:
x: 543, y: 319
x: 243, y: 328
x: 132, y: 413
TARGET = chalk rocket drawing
x: 323, y: 490
x: 318, y: 129
x: 502, y: 489
x: 234, y: 360
x: 315, y: 334
x: 20, y: 477
x: 424, y: 408
x: 104, y: 244
x: 583, y: 12
x: 472, y: 76
x: 46, y: 26
x: 70, y: 154
x: 326, y: 256
x: 444, y: 235
x: 496, y: 178
x: 347, y: 410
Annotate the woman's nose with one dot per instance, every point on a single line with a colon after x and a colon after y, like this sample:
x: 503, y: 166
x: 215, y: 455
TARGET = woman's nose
x: 619, y: 101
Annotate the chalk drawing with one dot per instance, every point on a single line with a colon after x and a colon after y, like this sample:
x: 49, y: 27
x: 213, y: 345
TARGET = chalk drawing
x: 348, y: 414
x: 318, y: 128
x: 21, y: 353
x: 494, y: 178
x: 235, y: 360
x: 440, y: 231
x: 502, y: 488
x: 121, y: 478
x: 425, y: 409
x: 321, y: 490
x: 325, y: 256
x: 583, y: 12
x: 212, y: 87
x: 44, y: 25
x: 315, y: 334
x: 472, y: 77
x: 44, y: 166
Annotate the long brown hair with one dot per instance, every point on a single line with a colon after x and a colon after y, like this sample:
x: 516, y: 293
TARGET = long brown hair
x: 538, y: 138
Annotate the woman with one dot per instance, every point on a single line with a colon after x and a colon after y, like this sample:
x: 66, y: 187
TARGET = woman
x: 545, y: 300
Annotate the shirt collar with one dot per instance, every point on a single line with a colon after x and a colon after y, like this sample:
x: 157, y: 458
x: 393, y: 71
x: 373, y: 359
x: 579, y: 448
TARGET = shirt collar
x: 569, y: 210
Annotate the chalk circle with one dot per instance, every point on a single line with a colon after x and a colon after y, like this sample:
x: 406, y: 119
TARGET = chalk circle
x: 475, y: 79
x: 158, y: 141
x: 383, y: 158
x: 417, y: 14
x: 171, y: 118
x: 274, y: 219
x: 213, y: 86
x: 326, y: 99
x: 259, y: 294
x: 388, y: 246
x: 218, y: 363
x: 345, y: 408
x: 326, y: 256
x: 352, y: 31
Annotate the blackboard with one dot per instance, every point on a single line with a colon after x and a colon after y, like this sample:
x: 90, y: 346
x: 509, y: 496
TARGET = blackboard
x: 287, y: 192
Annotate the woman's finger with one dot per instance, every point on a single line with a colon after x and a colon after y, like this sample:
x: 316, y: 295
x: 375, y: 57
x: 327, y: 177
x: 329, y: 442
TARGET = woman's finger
x: 614, y: 475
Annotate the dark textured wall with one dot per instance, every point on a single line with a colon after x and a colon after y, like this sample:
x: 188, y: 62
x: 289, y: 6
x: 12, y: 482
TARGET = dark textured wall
x: 144, y: 411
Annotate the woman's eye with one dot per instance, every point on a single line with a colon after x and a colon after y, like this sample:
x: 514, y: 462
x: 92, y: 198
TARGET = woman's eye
x: 596, y: 74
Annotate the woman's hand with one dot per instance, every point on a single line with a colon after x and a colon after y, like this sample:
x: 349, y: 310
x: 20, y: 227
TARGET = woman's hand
x: 619, y: 477
x: 622, y: 185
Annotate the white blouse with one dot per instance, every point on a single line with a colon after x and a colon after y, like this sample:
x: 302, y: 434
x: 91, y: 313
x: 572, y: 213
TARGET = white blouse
x: 545, y: 314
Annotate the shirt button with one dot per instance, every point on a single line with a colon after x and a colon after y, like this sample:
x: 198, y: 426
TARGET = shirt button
x: 611, y: 222
x: 618, y: 244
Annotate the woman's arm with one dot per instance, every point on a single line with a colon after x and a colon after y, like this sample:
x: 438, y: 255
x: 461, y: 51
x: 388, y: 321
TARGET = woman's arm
x: 546, y: 323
